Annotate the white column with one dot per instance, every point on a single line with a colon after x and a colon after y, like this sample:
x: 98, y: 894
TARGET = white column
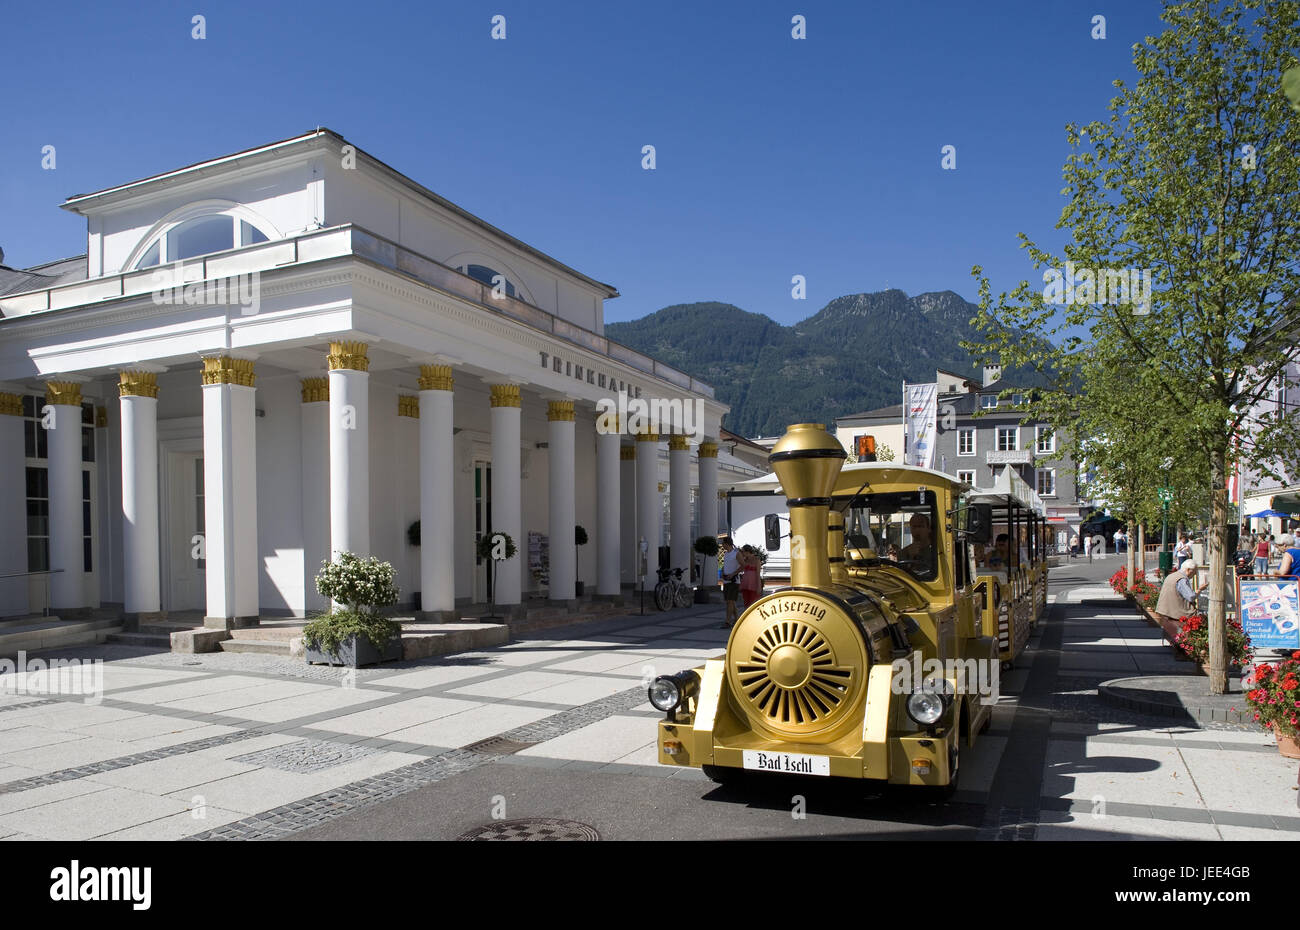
x: 315, y: 488
x: 563, y: 570
x: 230, y: 489
x: 628, y: 512
x: 138, y: 396
x: 649, y: 502
x: 679, y: 502
x: 507, y: 516
x: 708, y: 488
x: 13, y: 506
x: 67, y: 546
x: 608, y: 532
x: 349, y: 430
x: 437, y: 492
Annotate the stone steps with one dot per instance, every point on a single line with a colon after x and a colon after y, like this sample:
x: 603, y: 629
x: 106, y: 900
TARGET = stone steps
x: 267, y: 647
x: 34, y: 634
x: 160, y: 641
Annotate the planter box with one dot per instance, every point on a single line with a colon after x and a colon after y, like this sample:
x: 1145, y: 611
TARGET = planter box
x: 354, y: 652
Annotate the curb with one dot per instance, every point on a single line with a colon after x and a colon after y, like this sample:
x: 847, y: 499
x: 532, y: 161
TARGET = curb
x: 1118, y: 693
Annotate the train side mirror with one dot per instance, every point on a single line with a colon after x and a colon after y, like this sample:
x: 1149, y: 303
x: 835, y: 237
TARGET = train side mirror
x: 772, y: 532
x: 979, y: 523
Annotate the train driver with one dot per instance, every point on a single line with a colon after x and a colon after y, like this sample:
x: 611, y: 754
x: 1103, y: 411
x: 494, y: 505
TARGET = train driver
x: 921, y: 549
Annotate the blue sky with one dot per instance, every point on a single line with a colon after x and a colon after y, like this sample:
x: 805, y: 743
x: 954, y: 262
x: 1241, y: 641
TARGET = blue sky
x: 775, y: 157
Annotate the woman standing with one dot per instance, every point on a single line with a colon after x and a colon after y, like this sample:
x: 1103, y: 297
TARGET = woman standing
x: 1290, y: 566
x: 1261, y: 555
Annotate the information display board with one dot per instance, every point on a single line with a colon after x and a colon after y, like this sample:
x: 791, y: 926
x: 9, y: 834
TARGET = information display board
x: 1270, y: 611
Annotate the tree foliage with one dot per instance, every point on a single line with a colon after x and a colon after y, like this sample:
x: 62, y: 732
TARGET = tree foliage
x: 1192, y: 183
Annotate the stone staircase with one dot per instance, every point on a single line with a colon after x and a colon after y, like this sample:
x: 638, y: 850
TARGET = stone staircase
x: 40, y: 634
x: 155, y: 634
x: 270, y: 639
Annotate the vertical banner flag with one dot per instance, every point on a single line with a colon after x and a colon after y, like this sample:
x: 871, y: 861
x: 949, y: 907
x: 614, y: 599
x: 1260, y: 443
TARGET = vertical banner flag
x: 920, y: 411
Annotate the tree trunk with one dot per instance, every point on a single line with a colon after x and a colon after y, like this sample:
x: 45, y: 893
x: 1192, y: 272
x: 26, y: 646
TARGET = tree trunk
x: 1130, y: 530
x: 1218, y: 542
x: 1142, y: 550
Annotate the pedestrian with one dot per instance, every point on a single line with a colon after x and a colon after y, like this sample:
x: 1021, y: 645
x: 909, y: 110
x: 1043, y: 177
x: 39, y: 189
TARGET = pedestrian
x: 1289, y: 567
x: 730, y: 579
x: 1121, y: 540
x: 1261, y: 555
x: 751, y: 579
x: 1177, y: 596
x: 1183, y: 551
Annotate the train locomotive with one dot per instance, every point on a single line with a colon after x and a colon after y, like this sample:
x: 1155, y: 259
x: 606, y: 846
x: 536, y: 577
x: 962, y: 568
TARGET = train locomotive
x: 880, y: 660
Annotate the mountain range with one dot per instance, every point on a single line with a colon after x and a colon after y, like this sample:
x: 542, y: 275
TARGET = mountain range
x: 851, y: 355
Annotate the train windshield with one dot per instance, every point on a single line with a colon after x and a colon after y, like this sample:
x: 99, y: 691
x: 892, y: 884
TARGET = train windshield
x: 899, y: 527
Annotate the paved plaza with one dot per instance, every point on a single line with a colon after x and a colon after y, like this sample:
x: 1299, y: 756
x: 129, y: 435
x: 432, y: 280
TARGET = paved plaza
x: 558, y: 726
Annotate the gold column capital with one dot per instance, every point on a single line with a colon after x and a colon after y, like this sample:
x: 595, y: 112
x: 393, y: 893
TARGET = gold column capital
x: 350, y: 356
x: 63, y: 392
x: 677, y: 443
x: 222, y: 369
x: 560, y: 410
x: 627, y: 453
x: 315, y: 390
x: 663, y: 486
x: 436, y: 378
x: 708, y: 450
x: 408, y: 405
x: 137, y: 384
x: 647, y: 437
x: 505, y: 395
x: 11, y: 404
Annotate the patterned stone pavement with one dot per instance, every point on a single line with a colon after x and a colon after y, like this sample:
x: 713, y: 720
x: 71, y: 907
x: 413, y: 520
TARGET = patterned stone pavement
x: 240, y: 746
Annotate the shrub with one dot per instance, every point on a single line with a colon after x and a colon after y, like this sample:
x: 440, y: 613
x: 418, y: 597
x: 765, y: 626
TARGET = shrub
x: 579, y: 536
x: 1144, y: 592
x: 1194, y: 639
x: 362, y: 586
x: 1119, y: 581
x: 487, y: 542
x: 1274, y: 692
x: 707, y: 545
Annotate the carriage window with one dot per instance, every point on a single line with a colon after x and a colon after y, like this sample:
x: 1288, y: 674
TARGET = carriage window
x: 900, y: 527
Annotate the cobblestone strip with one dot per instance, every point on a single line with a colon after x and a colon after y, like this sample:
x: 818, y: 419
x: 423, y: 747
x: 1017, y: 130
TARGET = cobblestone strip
x: 121, y: 762
x: 328, y: 805
x: 299, y: 815
x: 27, y: 704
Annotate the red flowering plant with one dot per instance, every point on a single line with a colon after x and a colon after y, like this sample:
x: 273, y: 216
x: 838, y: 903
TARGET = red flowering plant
x: 1194, y: 639
x: 1119, y: 581
x: 1144, y: 592
x: 1273, y: 689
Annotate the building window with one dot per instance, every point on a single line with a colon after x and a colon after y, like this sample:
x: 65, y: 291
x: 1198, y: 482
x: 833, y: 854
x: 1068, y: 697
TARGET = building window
x: 966, y: 442
x: 1017, y: 399
x: 86, y: 544
x: 1046, y: 482
x: 988, y: 401
x: 1008, y: 438
x: 202, y: 235
x: 966, y: 476
x: 1044, y: 440
x: 486, y: 275
x: 38, y: 519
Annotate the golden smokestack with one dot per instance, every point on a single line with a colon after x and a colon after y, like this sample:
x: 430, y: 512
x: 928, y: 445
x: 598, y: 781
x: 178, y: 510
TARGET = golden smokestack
x: 807, y: 460
x: 835, y: 547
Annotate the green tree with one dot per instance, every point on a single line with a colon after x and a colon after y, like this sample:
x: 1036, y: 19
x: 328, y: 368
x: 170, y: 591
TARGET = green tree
x: 1193, y: 181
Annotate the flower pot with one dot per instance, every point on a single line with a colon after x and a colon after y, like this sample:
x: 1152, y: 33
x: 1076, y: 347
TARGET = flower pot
x: 1289, y: 746
x: 353, y: 652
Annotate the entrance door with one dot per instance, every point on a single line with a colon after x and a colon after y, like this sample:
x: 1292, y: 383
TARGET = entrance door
x: 187, y: 588
x: 482, y: 524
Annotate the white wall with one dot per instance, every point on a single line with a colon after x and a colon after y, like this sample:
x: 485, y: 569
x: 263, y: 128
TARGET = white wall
x: 281, y: 585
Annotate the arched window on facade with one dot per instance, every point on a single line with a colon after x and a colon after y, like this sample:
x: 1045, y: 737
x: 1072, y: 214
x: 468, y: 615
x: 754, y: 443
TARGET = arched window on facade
x: 200, y: 235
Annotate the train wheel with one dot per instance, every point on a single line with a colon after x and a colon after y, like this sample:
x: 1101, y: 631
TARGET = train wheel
x: 721, y: 775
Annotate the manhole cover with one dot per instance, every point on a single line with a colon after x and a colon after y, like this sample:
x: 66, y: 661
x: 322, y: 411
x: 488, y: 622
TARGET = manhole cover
x: 498, y: 746
x: 305, y: 756
x: 532, y: 829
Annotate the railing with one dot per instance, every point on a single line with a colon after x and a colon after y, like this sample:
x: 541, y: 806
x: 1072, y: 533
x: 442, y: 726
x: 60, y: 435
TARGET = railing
x: 335, y: 242
x: 45, y: 612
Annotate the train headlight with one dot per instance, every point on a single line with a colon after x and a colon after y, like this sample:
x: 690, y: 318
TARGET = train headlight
x: 669, y: 692
x: 925, y: 707
x: 928, y: 704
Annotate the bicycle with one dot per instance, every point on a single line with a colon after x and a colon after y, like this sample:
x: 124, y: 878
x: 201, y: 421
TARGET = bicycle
x: 671, y: 589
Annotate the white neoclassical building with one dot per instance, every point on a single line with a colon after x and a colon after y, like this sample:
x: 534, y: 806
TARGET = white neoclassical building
x: 296, y: 350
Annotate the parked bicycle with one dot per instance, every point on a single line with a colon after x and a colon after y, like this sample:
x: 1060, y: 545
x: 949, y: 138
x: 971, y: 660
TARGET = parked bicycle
x: 672, y: 590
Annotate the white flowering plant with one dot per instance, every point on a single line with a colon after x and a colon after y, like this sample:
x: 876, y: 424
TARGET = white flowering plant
x: 362, y: 586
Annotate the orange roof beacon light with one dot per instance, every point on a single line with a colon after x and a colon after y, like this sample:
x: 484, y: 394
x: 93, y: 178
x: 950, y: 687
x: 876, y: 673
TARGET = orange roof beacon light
x: 866, y: 448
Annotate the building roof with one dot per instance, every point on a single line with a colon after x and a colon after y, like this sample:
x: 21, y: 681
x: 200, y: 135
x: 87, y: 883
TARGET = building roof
x: 896, y: 411
x: 78, y: 203
x: 38, y: 277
